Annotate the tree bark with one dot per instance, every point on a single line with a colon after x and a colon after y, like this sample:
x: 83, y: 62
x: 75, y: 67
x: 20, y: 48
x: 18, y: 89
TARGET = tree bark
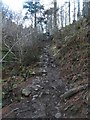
x: 55, y: 15
x: 35, y: 20
x: 86, y: 9
x: 69, y: 13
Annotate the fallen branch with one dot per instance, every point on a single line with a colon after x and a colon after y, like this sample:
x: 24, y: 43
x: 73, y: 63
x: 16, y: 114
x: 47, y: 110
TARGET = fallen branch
x: 24, y: 110
x: 11, y: 48
x: 14, y: 110
x: 9, y: 61
x: 73, y: 91
x: 8, y: 52
x: 11, y: 112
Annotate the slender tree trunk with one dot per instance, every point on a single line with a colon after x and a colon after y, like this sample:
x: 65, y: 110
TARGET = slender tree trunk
x: 41, y: 26
x: 74, y: 11
x: 51, y: 24
x: 35, y: 17
x: 89, y: 9
x: 61, y: 16
x: 35, y: 21
x: 86, y: 9
x: 47, y: 23
x: 78, y: 8
x: 55, y: 15
x: 65, y: 15
x: 69, y: 13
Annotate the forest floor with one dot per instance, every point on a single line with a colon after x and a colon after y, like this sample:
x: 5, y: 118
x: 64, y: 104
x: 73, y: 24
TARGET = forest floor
x: 45, y: 90
x: 58, y: 87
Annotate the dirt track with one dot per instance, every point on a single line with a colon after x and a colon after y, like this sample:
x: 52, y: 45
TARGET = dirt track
x: 45, y: 90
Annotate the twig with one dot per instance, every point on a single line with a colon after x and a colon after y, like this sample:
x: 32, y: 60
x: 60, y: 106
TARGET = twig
x: 18, y: 111
x: 24, y: 110
x: 9, y: 48
x: 9, y: 51
x: 11, y: 111
x: 9, y: 61
x: 12, y: 48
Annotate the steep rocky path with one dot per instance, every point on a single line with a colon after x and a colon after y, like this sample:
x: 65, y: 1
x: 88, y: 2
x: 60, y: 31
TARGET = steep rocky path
x: 43, y: 92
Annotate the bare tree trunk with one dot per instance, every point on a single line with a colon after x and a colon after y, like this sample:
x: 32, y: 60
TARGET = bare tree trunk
x: 35, y: 20
x: 20, y: 49
x: 86, y: 8
x: 47, y: 23
x: 55, y: 15
x: 78, y: 8
x: 50, y: 24
x: 89, y: 9
x: 69, y: 12
x: 65, y: 14
x: 74, y: 11
x: 35, y: 17
x: 61, y: 13
x: 41, y: 26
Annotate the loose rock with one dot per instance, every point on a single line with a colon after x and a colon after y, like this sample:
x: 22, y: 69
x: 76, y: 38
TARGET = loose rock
x: 25, y: 92
x: 58, y: 115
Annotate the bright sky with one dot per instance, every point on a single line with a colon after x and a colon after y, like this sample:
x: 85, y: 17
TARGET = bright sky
x: 17, y: 5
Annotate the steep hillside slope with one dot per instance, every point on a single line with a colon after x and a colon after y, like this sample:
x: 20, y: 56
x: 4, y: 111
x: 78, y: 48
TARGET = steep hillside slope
x: 57, y: 86
x: 71, y: 52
